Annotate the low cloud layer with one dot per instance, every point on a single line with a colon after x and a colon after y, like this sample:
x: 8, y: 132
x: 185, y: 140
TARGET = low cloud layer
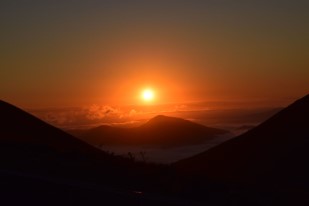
x: 130, y: 116
x: 86, y: 116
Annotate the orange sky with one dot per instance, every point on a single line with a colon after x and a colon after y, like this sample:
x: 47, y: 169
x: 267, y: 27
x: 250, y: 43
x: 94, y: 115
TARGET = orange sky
x: 88, y: 52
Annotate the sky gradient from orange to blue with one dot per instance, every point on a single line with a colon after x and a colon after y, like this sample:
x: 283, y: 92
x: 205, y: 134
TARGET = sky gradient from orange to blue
x: 66, y: 53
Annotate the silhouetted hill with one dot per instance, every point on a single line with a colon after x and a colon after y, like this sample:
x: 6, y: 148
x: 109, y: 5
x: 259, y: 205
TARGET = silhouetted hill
x: 245, y: 127
x: 19, y: 126
x: 268, y: 165
x: 273, y: 156
x: 158, y: 131
x: 42, y: 165
x: 27, y: 140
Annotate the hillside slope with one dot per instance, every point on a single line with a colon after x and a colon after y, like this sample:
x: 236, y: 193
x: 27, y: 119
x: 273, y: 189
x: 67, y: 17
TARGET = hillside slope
x: 159, y: 131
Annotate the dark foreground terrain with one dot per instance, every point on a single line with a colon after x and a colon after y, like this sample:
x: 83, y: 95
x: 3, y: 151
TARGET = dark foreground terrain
x: 268, y: 165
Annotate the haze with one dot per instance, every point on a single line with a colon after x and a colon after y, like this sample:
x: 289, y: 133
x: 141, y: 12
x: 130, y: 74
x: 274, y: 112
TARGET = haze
x: 65, y: 53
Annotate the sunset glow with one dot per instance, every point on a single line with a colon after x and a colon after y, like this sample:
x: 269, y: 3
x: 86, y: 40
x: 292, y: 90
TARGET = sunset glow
x: 109, y: 53
x: 154, y: 102
x: 148, y: 95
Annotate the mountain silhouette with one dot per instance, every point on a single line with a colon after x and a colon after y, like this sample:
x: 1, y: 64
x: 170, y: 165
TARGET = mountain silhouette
x: 42, y: 165
x: 275, y: 154
x: 20, y: 127
x: 29, y: 144
x: 268, y: 165
x: 158, y: 131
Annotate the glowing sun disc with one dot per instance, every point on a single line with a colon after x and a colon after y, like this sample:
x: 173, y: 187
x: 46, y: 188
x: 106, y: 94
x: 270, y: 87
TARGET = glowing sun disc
x: 147, y: 95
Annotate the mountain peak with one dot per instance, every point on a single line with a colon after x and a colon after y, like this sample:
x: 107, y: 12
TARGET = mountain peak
x: 159, y: 131
x: 163, y: 117
x: 163, y: 120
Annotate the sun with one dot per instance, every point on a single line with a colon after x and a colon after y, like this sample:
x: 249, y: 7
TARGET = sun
x: 148, y: 95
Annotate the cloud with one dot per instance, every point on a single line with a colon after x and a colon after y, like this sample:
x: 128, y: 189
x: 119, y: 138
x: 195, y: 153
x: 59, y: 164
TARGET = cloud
x: 132, y: 112
x: 95, y: 115
x: 92, y: 115
x: 99, y: 112
x: 180, y: 107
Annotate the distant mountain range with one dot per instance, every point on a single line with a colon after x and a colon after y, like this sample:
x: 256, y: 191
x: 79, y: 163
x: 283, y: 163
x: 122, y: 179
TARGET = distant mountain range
x: 268, y: 165
x: 42, y: 165
x: 160, y: 131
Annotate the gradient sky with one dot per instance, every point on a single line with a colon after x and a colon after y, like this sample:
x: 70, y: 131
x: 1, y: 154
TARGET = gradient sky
x: 66, y: 53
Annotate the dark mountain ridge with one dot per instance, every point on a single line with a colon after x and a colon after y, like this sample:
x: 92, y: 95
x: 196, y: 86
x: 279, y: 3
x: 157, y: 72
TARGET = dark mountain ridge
x: 38, y: 159
x: 267, y: 165
x: 271, y: 158
x: 20, y: 127
x: 158, y: 131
